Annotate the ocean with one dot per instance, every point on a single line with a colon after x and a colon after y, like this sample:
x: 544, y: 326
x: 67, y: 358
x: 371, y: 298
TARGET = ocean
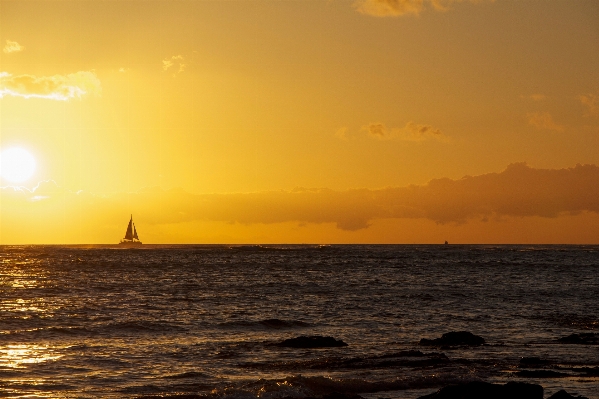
x: 207, y: 320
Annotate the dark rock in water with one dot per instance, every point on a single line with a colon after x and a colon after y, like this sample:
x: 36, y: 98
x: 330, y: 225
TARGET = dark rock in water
x: 540, y: 374
x: 479, y: 390
x: 565, y: 395
x: 336, y: 395
x: 279, y: 324
x: 454, y: 338
x: 532, y: 362
x: 312, y: 341
x: 590, y: 371
x: 333, y: 395
x: 584, y: 338
x: 410, y: 353
x: 192, y: 396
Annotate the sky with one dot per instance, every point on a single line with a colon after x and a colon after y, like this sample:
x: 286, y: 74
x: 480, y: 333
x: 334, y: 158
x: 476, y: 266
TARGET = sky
x: 300, y: 121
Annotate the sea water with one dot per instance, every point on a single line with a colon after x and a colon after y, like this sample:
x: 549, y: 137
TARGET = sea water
x: 109, y: 322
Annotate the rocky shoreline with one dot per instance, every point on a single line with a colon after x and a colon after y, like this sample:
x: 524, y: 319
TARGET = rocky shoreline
x: 529, y: 368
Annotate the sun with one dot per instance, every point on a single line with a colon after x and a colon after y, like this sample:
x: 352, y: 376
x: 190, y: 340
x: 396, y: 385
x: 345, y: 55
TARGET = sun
x: 16, y: 165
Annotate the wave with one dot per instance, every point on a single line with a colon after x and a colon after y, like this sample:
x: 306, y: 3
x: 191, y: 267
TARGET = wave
x: 274, y: 324
x: 301, y: 387
x: 569, y: 320
x: 111, y: 328
x: 140, y: 326
x: 188, y: 374
x: 44, y: 333
x: 279, y: 247
x: 411, y: 358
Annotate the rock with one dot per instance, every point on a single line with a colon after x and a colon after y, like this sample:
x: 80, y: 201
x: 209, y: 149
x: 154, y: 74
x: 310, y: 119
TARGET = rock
x: 590, y: 371
x: 565, y: 395
x: 410, y: 353
x: 454, y: 338
x: 192, y: 396
x: 478, y: 390
x: 336, y: 395
x: 312, y: 341
x: 532, y: 362
x: 279, y: 324
x: 333, y: 395
x: 584, y: 339
x: 540, y: 374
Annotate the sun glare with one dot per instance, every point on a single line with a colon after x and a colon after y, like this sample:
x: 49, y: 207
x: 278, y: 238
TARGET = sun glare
x: 16, y: 165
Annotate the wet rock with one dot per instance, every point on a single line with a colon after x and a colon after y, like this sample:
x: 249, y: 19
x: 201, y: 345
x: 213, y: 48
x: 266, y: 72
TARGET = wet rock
x: 527, y: 362
x: 565, y: 395
x: 584, y: 339
x: 312, y: 341
x: 540, y: 374
x: 410, y: 353
x: 454, y: 338
x: 478, y: 390
x: 279, y: 324
x: 192, y: 396
x: 590, y: 371
x: 336, y: 395
x: 333, y: 395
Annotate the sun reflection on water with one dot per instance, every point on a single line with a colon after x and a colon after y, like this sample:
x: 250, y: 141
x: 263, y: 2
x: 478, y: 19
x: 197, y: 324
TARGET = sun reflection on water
x: 18, y: 356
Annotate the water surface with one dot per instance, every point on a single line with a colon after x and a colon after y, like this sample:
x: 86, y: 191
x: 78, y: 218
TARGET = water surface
x: 111, y: 322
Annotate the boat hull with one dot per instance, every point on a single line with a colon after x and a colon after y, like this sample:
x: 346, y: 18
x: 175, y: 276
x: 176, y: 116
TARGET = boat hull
x: 130, y: 243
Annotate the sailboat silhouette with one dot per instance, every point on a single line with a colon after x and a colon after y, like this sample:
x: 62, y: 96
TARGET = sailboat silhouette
x: 131, y: 237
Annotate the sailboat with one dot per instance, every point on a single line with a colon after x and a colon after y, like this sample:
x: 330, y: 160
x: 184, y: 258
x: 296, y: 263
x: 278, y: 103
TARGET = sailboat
x: 131, y: 237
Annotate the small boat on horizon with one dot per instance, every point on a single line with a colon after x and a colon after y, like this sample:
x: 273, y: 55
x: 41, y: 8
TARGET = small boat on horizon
x: 131, y: 237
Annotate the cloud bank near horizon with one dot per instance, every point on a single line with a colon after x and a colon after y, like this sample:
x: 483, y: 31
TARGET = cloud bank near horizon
x: 56, y: 87
x: 410, y: 132
x: 518, y: 191
x: 395, y: 8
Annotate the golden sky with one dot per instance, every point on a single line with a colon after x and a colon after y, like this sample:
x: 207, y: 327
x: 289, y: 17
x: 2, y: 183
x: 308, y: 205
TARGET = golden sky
x: 367, y: 121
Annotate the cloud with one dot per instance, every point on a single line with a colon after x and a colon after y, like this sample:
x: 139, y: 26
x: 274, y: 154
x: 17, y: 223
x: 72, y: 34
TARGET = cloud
x: 341, y: 133
x: 57, y: 87
x: 534, y: 97
x: 543, y: 121
x: 12, y: 47
x: 378, y: 130
x: 518, y: 191
x: 591, y: 103
x: 394, y: 8
x: 414, y: 132
x: 538, y: 97
x: 410, y: 132
x: 176, y: 62
x: 385, y: 8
